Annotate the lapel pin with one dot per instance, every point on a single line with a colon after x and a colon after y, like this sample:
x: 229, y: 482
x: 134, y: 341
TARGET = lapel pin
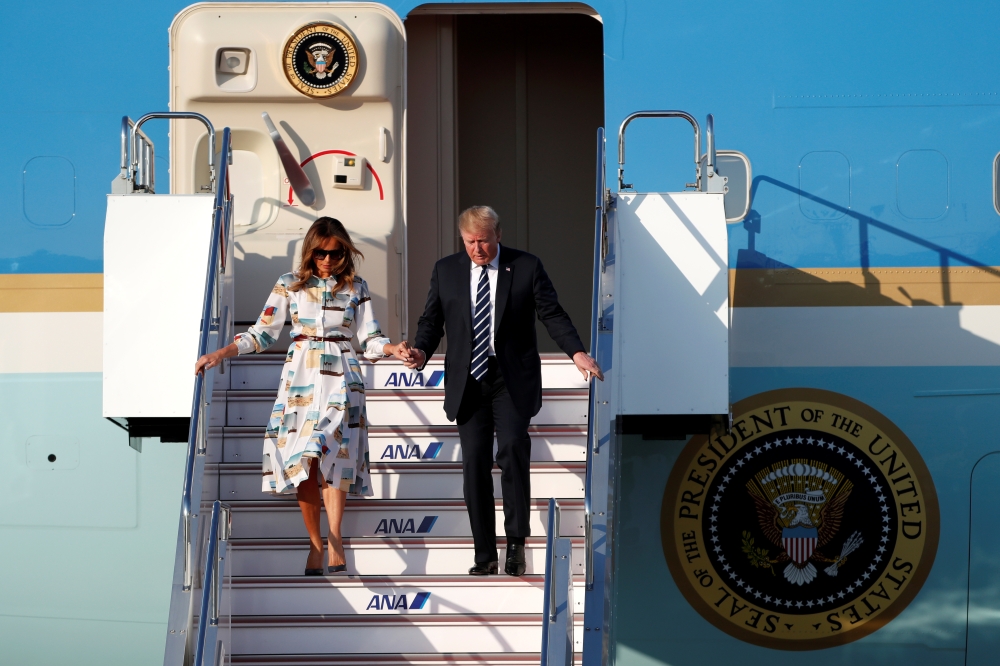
x: 508, y: 269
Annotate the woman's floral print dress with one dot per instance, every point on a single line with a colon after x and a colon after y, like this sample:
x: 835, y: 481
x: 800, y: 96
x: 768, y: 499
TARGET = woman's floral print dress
x: 320, y: 409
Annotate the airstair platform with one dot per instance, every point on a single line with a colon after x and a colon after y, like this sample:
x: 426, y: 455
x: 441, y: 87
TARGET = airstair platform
x: 407, y: 597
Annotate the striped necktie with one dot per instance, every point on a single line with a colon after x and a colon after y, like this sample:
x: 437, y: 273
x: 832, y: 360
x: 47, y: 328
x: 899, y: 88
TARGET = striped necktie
x: 481, y: 327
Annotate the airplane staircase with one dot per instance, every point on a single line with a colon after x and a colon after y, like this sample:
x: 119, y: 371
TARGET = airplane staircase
x: 407, y: 598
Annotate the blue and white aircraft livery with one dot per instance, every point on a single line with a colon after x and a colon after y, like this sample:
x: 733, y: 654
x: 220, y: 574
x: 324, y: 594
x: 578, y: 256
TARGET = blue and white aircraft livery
x: 838, y: 508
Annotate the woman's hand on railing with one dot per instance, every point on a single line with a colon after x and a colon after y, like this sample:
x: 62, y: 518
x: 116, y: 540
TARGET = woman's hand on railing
x: 212, y: 359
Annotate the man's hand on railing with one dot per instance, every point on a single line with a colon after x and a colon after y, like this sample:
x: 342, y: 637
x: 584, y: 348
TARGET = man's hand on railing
x: 212, y: 359
x: 587, y: 366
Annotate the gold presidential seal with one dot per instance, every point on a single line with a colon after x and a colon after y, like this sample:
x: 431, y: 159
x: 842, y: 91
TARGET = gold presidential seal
x: 320, y: 60
x: 812, y: 523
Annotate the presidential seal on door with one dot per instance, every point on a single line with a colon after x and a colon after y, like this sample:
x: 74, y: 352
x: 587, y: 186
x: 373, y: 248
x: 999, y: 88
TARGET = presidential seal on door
x: 320, y: 60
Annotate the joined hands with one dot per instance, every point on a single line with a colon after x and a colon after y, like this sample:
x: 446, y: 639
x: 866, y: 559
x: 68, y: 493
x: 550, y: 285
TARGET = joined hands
x: 411, y: 357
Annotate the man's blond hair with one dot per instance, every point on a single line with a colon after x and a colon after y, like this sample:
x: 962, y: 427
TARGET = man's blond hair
x: 479, y: 218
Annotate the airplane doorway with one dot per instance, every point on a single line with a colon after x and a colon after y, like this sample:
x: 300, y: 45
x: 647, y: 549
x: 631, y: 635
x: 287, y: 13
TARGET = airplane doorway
x: 503, y: 110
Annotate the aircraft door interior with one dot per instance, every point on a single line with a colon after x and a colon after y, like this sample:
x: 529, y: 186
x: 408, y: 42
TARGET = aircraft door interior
x: 331, y: 77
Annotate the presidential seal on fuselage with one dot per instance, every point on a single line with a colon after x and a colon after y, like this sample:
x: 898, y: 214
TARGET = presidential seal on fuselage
x: 811, y: 524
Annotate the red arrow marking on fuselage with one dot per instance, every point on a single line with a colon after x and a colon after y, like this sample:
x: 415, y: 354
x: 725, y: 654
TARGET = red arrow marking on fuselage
x: 309, y: 159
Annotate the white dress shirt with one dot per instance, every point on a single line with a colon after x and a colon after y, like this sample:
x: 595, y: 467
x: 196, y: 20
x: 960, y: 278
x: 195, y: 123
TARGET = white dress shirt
x: 475, y: 272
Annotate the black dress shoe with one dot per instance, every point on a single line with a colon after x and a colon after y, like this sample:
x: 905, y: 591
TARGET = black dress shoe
x: 515, y: 560
x: 484, y: 568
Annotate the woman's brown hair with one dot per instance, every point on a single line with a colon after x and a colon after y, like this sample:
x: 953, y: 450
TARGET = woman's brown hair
x: 321, y: 231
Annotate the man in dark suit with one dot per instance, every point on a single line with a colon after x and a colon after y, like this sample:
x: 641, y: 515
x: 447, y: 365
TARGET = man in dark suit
x: 486, y: 300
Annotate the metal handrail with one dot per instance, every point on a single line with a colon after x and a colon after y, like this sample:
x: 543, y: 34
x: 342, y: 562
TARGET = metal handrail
x: 219, y: 531
x: 659, y: 114
x: 549, y: 612
x: 595, y: 316
x: 710, y: 141
x: 198, y: 429
x: 148, y: 154
x: 147, y: 180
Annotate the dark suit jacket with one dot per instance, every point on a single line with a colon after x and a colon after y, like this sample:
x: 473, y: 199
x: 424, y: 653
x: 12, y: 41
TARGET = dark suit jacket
x: 523, y: 290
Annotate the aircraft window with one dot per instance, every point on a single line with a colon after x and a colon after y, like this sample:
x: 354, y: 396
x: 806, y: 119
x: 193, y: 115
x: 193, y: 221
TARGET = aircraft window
x: 49, y: 191
x: 824, y: 185
x: 922, y: 184
x: 996, y: 183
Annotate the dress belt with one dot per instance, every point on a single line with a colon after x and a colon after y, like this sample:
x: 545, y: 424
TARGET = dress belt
x: 316, y: 338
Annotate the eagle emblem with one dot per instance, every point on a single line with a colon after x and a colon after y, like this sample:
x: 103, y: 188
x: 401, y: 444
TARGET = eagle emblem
x: 800, y: 506
x: 319, y: 65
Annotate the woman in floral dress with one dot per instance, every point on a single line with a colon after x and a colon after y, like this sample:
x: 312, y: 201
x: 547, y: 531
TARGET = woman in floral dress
x: 318, y: 431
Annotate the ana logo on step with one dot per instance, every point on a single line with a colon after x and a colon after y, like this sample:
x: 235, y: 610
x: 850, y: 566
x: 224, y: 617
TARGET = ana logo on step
x: 411, y: 452
x: 384, y: 602
x: 811, y: 524
x: 412, y: 379
x: 405, y: 526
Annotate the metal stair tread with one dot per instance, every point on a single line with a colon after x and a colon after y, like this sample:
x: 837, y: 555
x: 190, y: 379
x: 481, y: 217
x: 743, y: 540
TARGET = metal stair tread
x: 410, y: 394
x: 403, y: 659
x: 381, y: 430
x: 389, y: 503
x: 411, y: 468
x: 354, y: 580
x: 429, y: 541
x: 483, y: 619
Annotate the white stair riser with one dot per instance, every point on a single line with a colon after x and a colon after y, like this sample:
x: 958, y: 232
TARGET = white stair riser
x: 434, y: 638
x: 411, y: 449
x: 416, y: 484
x: 285, y: 523
x: 336, y: 598
x: 265, y: 373
x: 382, y: 560
x: 393, y: 410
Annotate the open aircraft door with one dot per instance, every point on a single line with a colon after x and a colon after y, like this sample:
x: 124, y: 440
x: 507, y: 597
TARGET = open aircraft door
x: 315, y: 96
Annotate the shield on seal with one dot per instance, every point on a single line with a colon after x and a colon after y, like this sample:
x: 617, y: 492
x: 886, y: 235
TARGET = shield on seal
x: 799, y: 543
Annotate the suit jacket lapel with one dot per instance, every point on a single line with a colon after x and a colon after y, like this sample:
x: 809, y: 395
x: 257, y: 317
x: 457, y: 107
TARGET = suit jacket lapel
x: 464, y: 269
x: 505, y: 275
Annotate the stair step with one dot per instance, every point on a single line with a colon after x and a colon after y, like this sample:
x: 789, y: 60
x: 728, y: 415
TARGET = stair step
x: 397, y: 556
x: 412, y: 539
x: 386, y: 518
x: 395, y: 408
x: 398, y: 595
x: 241, y: 481
x: 391, y: 634
x: 262, y: 372
x: 414, y: 445
x: 494, y: 659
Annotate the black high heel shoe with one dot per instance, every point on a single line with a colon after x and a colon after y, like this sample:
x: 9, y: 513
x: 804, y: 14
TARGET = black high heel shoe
x: 336, y: 568
x: 318, y: 571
